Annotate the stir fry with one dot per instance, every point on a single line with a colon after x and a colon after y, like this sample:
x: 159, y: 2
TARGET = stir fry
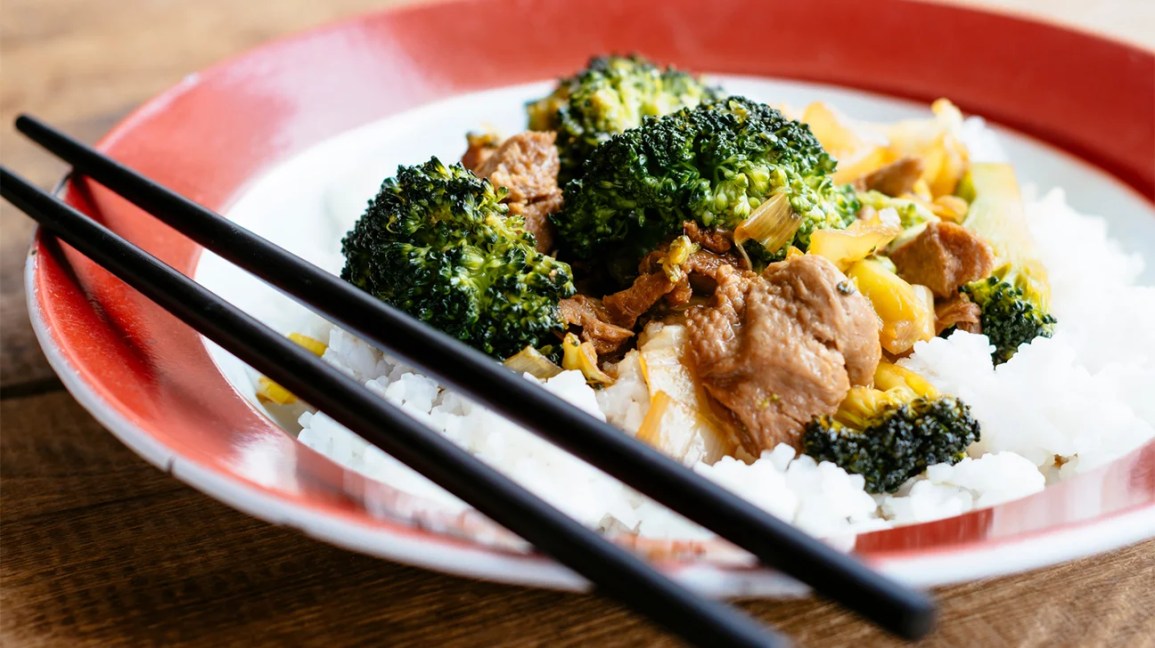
x: 757, y: 271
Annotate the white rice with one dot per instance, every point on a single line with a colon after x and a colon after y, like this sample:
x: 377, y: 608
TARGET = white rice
x: 1082, y: 398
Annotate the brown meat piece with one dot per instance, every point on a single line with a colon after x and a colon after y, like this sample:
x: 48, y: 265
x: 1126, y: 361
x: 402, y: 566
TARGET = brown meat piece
x: 943, y: 257
x: 527, y: 165
x: 959, y: 312
x: 703, y: 262
x: 829, y: 308
x: 715, y: 240
x: 626, y: 306
x: 681, y: 294
x: 700, y: 271
x: 588, y: 314
x: 481, y: 147
x: 707, y: 270
x: 776, y: 350
x: 537, y: 221
x: 894, y: 179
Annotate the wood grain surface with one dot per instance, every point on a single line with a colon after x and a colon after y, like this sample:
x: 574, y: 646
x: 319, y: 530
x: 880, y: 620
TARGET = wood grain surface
x: 99, y: 548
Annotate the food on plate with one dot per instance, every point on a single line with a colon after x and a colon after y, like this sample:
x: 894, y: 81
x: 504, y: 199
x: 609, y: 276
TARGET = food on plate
x: 1014, y: 298
x: 906, y: 310
x: 526, y: 165
x: 612, y: 94
x: 439, y: 243
x: 777, y: 349
x: 852, y: 324
x: 943, y: 257
x: 1011, y: 310
x: 893, y: 431
x: 731, y: 165
x: 270, y: 391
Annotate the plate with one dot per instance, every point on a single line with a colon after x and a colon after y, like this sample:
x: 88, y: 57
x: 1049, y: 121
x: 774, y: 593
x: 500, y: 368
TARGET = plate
x: 157, y: 387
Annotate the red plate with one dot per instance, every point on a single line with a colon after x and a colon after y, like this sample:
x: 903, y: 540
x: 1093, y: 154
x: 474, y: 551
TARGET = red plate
x: 152, y: 383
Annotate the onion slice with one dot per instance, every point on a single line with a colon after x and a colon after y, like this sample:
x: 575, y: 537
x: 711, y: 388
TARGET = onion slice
x: 531, y: 361
x: 580, y: 356
x: 772, y: 224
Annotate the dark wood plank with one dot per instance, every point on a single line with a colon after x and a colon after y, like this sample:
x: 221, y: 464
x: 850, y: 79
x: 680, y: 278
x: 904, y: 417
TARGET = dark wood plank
x: 20, y: 359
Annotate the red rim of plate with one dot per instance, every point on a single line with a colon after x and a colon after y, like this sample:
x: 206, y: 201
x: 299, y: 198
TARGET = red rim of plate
x: 151, y: 381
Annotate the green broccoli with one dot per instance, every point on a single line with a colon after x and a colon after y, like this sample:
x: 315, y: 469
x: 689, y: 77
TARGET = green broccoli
x: 1015, y: 298
x: 910, y: 213
x: 735, y: 164
x: 612, y: 94
x: 889, y: 437
x: 437, y: 243
x: 1014, y: 310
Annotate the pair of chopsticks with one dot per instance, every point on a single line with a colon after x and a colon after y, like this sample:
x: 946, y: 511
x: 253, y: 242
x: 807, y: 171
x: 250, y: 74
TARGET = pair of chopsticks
x: 614, y: 571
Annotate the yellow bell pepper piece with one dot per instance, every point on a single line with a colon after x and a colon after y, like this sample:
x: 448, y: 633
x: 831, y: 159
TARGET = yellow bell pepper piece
x: 907, y: 314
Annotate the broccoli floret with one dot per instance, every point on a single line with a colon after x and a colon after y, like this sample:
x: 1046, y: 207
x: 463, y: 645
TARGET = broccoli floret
x: 910, y: 213
x: 437, y: 243
x: 612, y: 94
x: 889, y: 437
x: 1014, y: 311
x: 714, y: 164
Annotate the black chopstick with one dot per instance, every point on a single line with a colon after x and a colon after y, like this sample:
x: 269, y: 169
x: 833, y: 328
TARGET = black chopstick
x: 615, y: 571
x: 840, y: 577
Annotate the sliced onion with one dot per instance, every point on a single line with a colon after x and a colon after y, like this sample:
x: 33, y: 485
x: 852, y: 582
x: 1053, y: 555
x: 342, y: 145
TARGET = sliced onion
x: 890, y: 376
x: 580, y: 356
x: 269, y: 391
x: 650, y: 430
x: 772, y: 224
x: 860, y: 240
x: 531, y: 361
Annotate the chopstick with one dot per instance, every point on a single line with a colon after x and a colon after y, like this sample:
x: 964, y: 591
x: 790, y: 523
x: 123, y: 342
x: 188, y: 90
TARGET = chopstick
x: 615, y: 571
x: 835, y: 575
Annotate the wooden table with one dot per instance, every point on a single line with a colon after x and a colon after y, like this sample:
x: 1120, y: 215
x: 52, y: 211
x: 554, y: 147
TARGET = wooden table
x: 100, y: 548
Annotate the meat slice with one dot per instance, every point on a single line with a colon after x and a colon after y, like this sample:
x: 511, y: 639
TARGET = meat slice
x: 715, y: 240
x: 706, y: 270
x: 829, y: 309
x: 537, y: 221
x: 481, y: 147
x: 774, y: 351
x: 959, y: 312
x: 626, y: 306
x: 681, y: 295
x: 894, y: 179
x: 588, y: 314
x: 943, y: 257
x: 527, y: 165
x: 714, y: 247
x: 700, y: 271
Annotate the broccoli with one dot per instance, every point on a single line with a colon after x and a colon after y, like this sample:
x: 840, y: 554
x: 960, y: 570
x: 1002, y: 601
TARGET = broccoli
x: 889, y: 437
x: 910, y: 213
x: 1014, y: 298
x: 1014, y: 309
x: 735, y: 164
x: 437, y: 243
x: 612, y: 94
